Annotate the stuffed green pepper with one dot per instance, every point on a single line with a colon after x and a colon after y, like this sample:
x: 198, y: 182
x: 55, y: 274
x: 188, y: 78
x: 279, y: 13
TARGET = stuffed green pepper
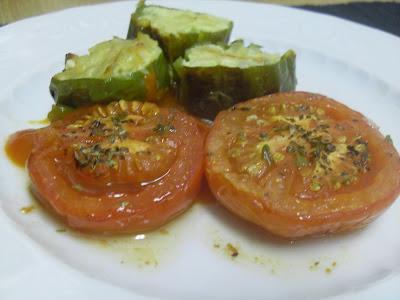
x: 113, y: 70
x: 177, y: 30
x: 212, y: 78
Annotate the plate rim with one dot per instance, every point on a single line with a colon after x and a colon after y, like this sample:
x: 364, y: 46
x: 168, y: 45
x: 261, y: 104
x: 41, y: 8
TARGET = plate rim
x: 15, y: 25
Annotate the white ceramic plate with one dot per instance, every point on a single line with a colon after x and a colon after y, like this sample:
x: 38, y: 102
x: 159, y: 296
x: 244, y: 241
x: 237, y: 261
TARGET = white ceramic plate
x: 187, y: 260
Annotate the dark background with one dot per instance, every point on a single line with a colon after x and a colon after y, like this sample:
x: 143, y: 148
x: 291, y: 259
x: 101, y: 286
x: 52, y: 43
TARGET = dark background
x: 384, y: 16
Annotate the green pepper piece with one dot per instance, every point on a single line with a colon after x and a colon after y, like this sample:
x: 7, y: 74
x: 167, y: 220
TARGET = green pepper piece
x: 266, y: 155
x: 113, y: 70
x: 300, y: 154
x: 58, y: 112
x: 177, y: 30
x: 212, y: 78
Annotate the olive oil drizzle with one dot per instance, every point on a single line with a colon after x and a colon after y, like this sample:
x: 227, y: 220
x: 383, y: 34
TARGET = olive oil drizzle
x: 334, y: 161
x: 109, y: 124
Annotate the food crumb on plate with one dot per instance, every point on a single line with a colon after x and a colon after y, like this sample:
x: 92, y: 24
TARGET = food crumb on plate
x: 27, y: 209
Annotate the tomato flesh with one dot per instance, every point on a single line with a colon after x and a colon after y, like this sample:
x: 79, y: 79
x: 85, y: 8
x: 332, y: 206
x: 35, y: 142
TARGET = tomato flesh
x: 124, y: 167
x: 301, y: 164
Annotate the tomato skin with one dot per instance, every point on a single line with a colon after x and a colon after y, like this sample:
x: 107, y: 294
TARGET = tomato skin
x: 127, y: 209
x: 284, y: 213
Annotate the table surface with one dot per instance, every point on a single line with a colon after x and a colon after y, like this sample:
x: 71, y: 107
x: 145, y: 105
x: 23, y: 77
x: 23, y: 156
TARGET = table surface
x: 380, y: 14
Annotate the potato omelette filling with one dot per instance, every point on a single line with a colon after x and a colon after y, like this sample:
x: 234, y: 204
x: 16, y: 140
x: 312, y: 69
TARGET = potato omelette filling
x: 329, y: 154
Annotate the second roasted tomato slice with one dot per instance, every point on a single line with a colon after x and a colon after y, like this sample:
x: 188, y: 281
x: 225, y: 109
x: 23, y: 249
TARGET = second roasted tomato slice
x: 301, y: 164
x: 124, y: 167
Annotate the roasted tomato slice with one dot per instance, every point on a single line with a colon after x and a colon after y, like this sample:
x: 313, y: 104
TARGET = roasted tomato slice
x: 301, y: 164
x: 124, y: 167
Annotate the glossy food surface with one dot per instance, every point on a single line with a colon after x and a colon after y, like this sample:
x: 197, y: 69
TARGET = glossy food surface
x: 125, y: 167
x: 301, y: 164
